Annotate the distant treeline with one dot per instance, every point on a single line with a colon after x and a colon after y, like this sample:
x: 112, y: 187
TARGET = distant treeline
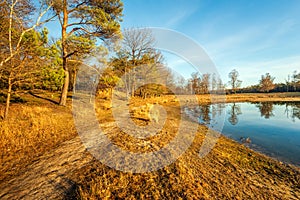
x: 279, y: 87
x: 210, y: 83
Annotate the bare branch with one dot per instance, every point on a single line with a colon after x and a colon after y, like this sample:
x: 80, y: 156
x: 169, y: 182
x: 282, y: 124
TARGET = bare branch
x: 37, y: 23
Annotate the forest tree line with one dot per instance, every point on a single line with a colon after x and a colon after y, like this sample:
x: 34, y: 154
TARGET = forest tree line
x: 208, y: 83
x: 30, y: 59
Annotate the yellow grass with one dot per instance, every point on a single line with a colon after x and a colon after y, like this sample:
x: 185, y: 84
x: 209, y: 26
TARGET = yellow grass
x: 251, y: 97
x: 30, y: 131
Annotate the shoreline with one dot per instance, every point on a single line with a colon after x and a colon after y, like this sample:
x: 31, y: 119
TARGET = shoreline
x: 239, y: 98
x: 256, y: 98
x: 258, y: 150
x: 229, y: 170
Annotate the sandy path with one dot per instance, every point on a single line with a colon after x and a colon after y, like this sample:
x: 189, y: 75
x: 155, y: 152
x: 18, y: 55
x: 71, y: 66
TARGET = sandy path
x: 46, y: 177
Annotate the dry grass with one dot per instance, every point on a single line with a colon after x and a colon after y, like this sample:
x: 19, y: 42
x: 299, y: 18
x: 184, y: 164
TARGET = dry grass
x: 32, y: 129
x: 229, y: 171
x: 217, y: 176
x: 251, y: 97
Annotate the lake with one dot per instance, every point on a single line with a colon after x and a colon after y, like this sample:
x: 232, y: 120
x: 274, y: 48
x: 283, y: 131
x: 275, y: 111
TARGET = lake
x: 272, y: 128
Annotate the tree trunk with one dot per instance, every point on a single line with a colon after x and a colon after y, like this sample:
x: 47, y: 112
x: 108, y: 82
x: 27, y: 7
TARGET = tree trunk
x: 64, y: 94
x: 8, y: 98
x: 74, y: 81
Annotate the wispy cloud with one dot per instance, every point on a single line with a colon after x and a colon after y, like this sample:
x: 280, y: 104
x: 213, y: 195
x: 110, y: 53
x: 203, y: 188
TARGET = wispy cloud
x: 181, y: 16
x: 251, y: 72
x: 177, y: 19
x: 251, y: 40
x: 274, y: 33
x: 231, y: 43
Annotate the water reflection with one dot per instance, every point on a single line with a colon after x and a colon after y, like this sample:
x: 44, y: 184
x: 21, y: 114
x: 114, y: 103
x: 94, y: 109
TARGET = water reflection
x: 266, y: 109
x: 272, y: 128
x: 292, y: 111
x: 205, y: 113
x: 208, y: 114
x: 234, y: 111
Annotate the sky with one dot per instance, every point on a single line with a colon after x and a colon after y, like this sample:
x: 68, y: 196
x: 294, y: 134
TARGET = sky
x: 252, y: 36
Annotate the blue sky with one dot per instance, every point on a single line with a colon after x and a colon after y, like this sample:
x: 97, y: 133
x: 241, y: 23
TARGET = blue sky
x: 252, y: 36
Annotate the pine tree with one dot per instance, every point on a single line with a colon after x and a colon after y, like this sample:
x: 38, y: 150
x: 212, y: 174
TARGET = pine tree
x: 82, y: 21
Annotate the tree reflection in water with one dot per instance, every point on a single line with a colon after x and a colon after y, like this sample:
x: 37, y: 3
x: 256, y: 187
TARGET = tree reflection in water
x: 204, y: 114
x: 266, y: 109
x: 234, y: 111
x: 208, y: 114
x: 292, y: 110
x: 296, y: 112
x: 269, y: 127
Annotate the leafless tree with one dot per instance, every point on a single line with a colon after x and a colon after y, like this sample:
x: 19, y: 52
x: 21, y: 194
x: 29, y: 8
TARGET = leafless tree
x: 19, y: 42
x: 138, y: 61
x: 234, y: 82
x: 266, y: 83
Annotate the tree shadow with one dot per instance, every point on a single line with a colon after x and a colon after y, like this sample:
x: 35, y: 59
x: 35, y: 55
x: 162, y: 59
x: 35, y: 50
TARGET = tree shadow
x: 44, y: 98
x: 14, y: 98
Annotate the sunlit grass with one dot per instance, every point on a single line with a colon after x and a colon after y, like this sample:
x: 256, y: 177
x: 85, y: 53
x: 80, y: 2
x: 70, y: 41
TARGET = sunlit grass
x: 29, y: 131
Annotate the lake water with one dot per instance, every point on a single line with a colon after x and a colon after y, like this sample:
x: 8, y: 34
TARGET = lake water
x: 272, y: 128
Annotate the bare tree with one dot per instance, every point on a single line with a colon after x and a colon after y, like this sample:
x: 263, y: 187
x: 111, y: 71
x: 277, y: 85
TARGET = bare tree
x: 234, y: 82
x: 295, y: 80
x: 20, y: 43
x: 220, y: 86
x: 195, y: 82
x: 266, y: 83
x: 205, y: 83
x: 288, y: 83
x: 137, y: 50
x: 200, y: 84
x: 181, y: 82
x: 19, y: 12
x: 136, y: 44
x: 214, y: 84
